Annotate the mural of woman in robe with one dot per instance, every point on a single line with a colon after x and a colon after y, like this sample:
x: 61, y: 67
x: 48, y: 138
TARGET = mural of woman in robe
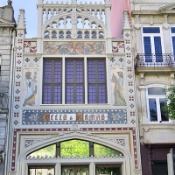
x: 118, y: 89
x: 31, y: 89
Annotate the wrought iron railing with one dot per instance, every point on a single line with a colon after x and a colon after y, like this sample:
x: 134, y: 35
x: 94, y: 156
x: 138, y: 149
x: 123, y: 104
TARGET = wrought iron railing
x: 155, y: 60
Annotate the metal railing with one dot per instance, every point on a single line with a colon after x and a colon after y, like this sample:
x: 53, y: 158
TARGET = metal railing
x: 155, y: 60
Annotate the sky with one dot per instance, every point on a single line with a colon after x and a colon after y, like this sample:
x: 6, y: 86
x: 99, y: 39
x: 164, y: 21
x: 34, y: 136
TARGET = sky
x: 31, y: 12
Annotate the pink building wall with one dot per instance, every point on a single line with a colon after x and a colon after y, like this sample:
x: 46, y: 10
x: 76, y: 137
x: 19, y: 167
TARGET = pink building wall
x: 117, y: 16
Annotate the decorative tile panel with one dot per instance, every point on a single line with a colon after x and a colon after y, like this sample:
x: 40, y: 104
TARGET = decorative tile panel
x: 118, y: 47
x: 74, y: 48
x: 30, y: 46
x: 74, y: 116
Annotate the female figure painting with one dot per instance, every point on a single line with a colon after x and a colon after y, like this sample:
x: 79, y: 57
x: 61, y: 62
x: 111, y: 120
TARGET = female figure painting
x: 118, y: 89
x: 31, y: 89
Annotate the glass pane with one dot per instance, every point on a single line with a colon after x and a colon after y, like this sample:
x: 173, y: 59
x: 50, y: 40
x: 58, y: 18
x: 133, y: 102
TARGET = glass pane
x: 69, y: 94
x: 79, y: 71
x: 47, y: 71
x: 153, y: 109
x: 47, y: 94
x: 160, y: 168
x: 147, y: 48
x: 31, y: 171
x: 57, y: 71
x: 47, y: 151
x: 74, y: 148
x: 57, y: 94
x: 158, y: 49
x: 41, y: 171
x: 107, y: 170
x: 92, y: 94
x: 163, y: 103
x: 75, y: 170
x: 102, y: 93
x: 91, y: 71
x: 151, y: 30
x: 69, y: 71
x: 79, y: 94
x: 173, y: 29
x: 173, y: 42
x: 100, y: 150
x: 101, y: 71
x: 156, y: 91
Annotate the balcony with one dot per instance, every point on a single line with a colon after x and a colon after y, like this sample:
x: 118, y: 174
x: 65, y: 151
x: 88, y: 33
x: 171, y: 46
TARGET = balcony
x: 165, y: 60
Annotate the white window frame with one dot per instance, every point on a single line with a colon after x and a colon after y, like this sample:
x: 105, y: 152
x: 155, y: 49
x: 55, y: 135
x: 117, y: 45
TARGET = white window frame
x: 172, y: 35
x: 157, y: 97
x: 152, y: 35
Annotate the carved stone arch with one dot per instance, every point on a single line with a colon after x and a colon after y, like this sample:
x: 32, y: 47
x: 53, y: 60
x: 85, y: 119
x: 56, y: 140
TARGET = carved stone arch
x: 49, y: 140
x: 84, y: 15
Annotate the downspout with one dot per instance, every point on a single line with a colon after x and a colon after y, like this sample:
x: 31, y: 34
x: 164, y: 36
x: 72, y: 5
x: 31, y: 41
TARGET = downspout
x: 9, y: 134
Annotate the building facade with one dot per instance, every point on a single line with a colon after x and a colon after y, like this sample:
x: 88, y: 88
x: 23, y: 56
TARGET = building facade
x: 73, y: 105
x: 154, y: 43
x: 7, y: 33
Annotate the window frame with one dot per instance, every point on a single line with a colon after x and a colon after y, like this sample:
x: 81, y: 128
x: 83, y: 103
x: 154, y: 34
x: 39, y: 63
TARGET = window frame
x: 63, y: 85
x: 157, y: 97
x: 172, y: 35
x: 151, y: 36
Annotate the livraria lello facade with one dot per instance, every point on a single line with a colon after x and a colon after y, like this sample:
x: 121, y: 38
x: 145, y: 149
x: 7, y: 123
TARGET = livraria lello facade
x: 85, y: 96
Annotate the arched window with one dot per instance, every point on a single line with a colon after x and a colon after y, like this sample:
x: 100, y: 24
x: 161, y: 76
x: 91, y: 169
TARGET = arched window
x: 75, y: 148
x: 79, y: 35
x: 46, y: 34
x: 68, y: 34
x: 101, y: 35
x: 54, y: 34
x: 94, y: 35
x: 61, y: 34
x: 86, y: 35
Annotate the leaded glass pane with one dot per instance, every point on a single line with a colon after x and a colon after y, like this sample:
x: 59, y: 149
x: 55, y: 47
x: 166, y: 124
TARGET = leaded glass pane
x: 153, y: 109
x: 79, y: 71
x: 107, y: 170
x: 100, y: 150
x: 57, y: 71
x: 47, y: 94
x: 91, y: 71
x: 101, y: 71
x: 74, y: 148
x: 49, y: 151
x: 57, y: 94
x: 69, y: 71
x: 47, y: 71
x: 79, y: 94
x: 70, y: 94
x: 102, y: 93
x: 92, y: 94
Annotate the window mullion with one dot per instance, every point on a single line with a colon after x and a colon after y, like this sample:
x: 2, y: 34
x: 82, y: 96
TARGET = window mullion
x: 63, y: 80
x: 85, y: 81
x: 74, y: 81
x: 158, y: 110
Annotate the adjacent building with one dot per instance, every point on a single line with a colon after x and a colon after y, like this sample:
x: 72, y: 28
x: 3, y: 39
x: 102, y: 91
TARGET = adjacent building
x: 7, y: 33
x: 154, y: 49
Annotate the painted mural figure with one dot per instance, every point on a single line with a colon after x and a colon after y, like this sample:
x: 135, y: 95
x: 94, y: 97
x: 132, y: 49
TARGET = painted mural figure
x: 118, y: 90
x: 31, y: 89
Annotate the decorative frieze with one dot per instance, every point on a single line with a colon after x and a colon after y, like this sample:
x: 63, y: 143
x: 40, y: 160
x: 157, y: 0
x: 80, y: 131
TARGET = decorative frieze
x: 71, y: 116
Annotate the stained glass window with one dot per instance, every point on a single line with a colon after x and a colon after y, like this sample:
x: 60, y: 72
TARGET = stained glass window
x: 49, y: 151
x: 74, y: 81
x: 100, y: 150
x: 74, y: 148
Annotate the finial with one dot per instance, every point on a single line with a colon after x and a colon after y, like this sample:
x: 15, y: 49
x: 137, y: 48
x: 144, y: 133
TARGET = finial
x: 9, y: 2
